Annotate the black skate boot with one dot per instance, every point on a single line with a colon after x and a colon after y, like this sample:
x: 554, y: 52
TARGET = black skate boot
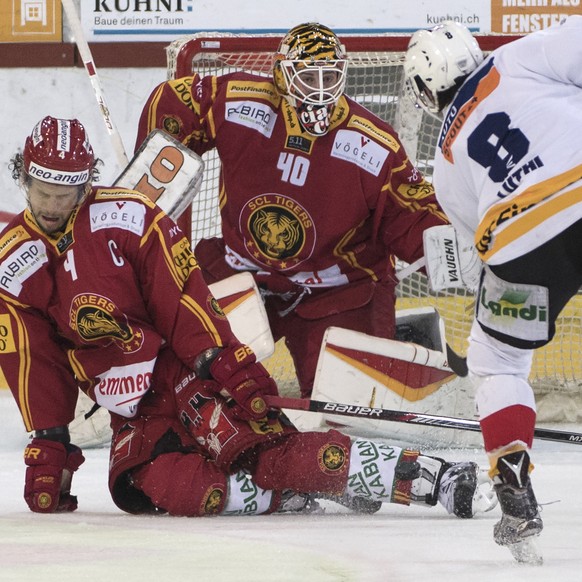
x: 520, y: 523
x: 458, y: 486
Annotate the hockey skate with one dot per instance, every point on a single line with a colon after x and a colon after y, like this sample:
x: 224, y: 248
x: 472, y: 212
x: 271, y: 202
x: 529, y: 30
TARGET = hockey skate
x: 520, y: 523
x: 362, y: 505
x: 293, y: 502
x: 461, y: 488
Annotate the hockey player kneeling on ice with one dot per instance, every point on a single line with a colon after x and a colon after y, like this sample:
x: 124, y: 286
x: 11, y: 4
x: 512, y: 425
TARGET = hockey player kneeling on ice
x: 112, y: 301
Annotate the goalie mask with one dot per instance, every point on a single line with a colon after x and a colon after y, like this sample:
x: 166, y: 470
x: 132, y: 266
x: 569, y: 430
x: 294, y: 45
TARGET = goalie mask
x: 58, y: 151
x: 309, y: 71
x: 437, y: 62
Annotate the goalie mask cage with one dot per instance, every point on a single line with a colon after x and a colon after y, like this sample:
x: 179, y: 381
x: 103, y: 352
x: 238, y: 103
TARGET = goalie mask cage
x: 375, y: 79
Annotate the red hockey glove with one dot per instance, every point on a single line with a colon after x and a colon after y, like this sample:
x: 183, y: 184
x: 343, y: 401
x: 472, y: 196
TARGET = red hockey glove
x: 50, y: 468
x: 246, y: 381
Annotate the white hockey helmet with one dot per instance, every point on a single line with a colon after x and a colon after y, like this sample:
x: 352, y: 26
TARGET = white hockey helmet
x: 437, y: 61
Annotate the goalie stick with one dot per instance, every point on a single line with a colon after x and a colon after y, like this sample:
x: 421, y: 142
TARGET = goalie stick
x: 185, y: 186
x: 339, y: 409
x: 85, y: 52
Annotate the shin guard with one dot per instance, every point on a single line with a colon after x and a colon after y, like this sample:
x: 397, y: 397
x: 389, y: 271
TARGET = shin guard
x: 246, y: 498
x: 381, y: 472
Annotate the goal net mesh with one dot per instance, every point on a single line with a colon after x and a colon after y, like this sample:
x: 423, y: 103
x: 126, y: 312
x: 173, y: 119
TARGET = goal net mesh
x: 375, y: 79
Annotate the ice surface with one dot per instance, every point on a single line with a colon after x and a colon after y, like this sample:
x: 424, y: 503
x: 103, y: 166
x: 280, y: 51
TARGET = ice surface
x: 399, y: 544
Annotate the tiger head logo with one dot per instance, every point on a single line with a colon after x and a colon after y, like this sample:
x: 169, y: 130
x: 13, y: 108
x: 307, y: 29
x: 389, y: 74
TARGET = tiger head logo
x: 281, y: 232
x: 95, y: 318
x: 277, y: 233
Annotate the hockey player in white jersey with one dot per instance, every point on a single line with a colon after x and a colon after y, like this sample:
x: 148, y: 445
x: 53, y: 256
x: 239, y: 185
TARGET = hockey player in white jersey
x: 508, y: 172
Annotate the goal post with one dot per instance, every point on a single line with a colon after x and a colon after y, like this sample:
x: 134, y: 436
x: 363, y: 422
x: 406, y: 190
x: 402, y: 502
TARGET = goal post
x: 375, y: 79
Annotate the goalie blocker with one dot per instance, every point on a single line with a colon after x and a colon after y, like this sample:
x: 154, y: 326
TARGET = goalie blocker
x: 166, y: 171
x: 450, y: 260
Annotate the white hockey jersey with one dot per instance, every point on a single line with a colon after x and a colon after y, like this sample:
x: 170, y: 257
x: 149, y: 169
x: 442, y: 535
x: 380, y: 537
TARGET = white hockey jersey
x: 508, y: 169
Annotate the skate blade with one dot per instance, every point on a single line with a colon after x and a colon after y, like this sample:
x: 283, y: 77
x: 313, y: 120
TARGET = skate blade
x: 526, y: 552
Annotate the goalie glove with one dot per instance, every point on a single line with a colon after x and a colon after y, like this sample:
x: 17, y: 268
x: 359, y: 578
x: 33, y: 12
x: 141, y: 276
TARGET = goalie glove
x: 451, y: 260
x: 240, y: 377
x: 49, y: 471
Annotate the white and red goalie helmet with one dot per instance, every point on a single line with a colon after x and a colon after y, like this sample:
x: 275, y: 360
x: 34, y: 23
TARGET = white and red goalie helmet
x: 58, y: 151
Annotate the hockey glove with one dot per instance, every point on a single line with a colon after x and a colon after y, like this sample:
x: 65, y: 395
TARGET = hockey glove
x: 451, y: 260
x: 247, y: 382
x: 49, y: 470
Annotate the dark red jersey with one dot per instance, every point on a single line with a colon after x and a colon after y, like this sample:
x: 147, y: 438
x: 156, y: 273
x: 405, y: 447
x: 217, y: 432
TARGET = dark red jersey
x: 322, y: 211
x: 33, y: 360
x: 120, y: 283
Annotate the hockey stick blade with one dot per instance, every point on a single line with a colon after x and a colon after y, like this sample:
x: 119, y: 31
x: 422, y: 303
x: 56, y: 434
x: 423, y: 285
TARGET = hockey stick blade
x: 357, y: 411
x: 457, y: 363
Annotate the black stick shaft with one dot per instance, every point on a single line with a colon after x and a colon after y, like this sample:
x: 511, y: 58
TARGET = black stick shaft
x: 356, y: 411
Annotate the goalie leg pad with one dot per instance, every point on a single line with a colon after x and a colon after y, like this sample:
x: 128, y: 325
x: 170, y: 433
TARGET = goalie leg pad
x: 370, y: 310
x: 239, y: 298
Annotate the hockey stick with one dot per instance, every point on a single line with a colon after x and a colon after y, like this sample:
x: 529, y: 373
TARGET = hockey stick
x: 172, y: 200
x: 458, y: 364
x: 407, y: 417
x: 85, y: 52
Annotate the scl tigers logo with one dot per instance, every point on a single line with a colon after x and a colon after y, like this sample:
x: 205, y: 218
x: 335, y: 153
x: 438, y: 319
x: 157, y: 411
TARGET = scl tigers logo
x: 332, y: 458
x: 171, y: 124
x: 213, y: 500
x: 280, y: 230
x: 95, y: 317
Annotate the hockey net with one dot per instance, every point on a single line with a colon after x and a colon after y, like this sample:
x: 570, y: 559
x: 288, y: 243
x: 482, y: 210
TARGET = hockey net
x: 375, y: 80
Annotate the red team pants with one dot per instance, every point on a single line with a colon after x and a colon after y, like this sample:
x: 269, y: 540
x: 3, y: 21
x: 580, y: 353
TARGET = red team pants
x: 364, y: 306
